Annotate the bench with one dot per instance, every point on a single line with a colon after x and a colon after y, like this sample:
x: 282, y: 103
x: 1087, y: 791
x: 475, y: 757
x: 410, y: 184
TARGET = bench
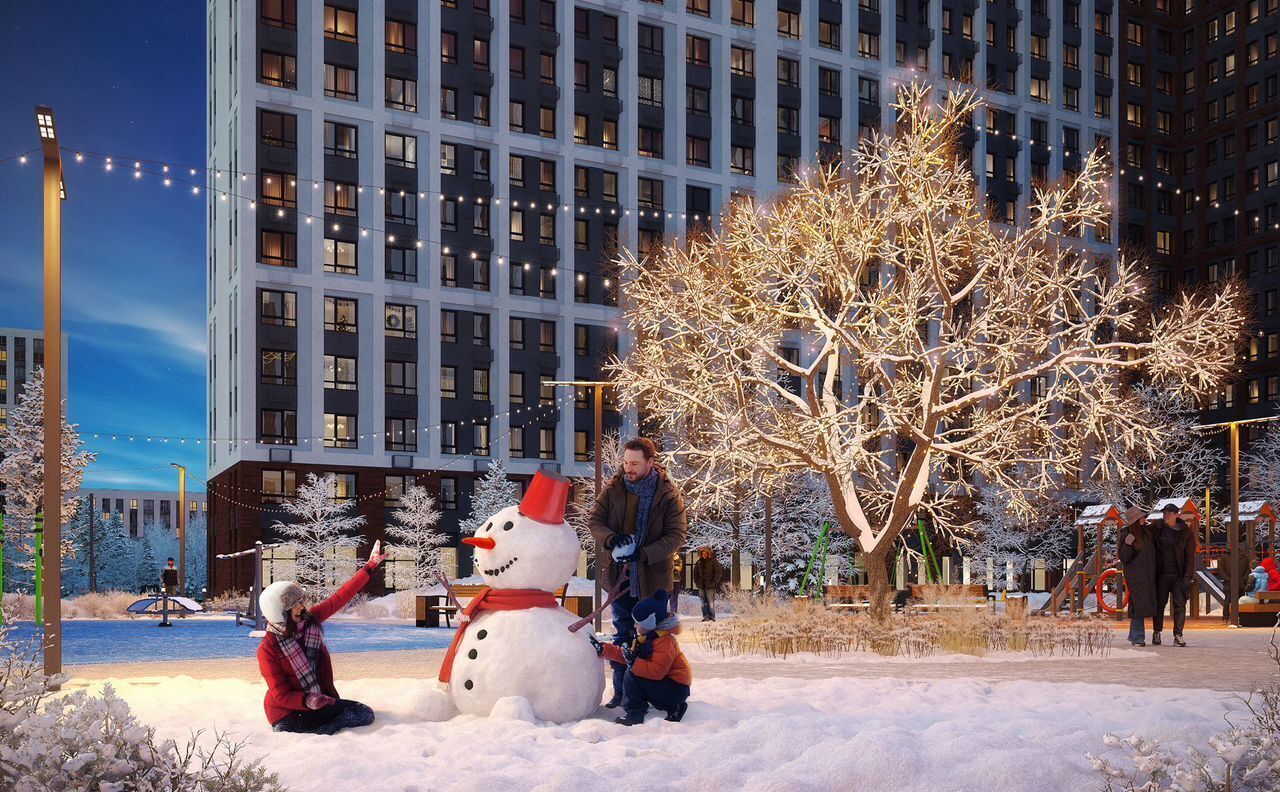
x: 929, y: 596
x: 430, y: 607
x: 1263, y: 613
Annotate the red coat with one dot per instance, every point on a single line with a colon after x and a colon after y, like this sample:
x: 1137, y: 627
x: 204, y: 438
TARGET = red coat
x: 1273, y: 574
x: 284, y: 692
x: 667, y: 661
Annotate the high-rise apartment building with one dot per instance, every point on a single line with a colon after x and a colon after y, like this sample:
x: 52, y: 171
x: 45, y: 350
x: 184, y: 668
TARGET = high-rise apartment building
x: 437, y: 187
x: 1199, y: 153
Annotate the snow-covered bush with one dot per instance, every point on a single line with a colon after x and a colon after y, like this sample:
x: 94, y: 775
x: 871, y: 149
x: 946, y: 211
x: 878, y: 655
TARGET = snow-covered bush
x: 1246, y: 758
x: 228, y: 601
x: 75, y: 741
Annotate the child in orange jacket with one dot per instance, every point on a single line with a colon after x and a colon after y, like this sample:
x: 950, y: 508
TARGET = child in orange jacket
x: 658, y: 674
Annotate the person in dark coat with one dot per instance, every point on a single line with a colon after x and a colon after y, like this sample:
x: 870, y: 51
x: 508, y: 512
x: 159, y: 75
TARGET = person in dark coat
x: 1138, y: 558
x: 169, y: 577
x: 708, y: 577
x: 639, y: 520
x: 1175, y: 566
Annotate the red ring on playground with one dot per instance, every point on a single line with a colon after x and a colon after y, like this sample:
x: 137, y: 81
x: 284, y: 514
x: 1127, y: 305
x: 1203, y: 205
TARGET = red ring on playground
x: 1103, y: 578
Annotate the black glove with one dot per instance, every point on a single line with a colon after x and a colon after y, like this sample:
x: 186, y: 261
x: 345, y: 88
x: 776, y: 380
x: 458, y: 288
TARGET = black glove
x: 611, y: 541
x: 644, y: 650
x: 628, y: 655
x: 595, y: 644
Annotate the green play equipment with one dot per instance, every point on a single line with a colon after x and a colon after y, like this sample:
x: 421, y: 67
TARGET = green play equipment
x: 819, y: 557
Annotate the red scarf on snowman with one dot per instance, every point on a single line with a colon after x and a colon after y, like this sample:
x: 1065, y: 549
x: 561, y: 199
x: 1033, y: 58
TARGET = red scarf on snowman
x: 494, y: 600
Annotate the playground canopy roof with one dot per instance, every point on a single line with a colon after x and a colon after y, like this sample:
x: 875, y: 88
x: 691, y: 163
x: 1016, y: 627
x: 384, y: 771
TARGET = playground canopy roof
x: 1251, y: 511
x: 1102, y: 513
x: 1186, y: 506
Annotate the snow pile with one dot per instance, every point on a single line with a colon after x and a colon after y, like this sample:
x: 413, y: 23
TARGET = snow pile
x: 739, y: 734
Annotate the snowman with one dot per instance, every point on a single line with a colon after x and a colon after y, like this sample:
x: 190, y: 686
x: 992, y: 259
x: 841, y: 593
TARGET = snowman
x: 513, y: 638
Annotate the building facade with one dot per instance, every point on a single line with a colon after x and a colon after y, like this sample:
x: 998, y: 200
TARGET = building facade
x: 1200, y: 143
x: 416, y: 203
x: 140, y: 508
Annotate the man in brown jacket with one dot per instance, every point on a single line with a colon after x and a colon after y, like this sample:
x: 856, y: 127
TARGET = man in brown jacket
x: 638, y: 524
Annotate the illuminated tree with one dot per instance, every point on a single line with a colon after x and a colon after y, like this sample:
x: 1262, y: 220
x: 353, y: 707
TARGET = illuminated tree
x: 936, y: 348
x: 417, y: 537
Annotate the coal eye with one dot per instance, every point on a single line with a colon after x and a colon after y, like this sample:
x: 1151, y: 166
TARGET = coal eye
x: 487, y: 527
x: 507, y: 526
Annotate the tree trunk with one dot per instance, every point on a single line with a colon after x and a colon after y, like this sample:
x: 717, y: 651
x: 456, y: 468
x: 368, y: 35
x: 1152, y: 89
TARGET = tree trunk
x: 878, y: 577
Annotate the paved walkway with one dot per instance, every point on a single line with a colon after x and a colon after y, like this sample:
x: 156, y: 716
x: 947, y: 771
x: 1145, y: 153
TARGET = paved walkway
x: 1217, y: 659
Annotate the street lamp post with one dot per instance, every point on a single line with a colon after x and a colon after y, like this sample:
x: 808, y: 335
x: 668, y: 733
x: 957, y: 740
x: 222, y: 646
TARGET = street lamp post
x: 182, y: 528
x: 54, y: 194
x: 597, y: 429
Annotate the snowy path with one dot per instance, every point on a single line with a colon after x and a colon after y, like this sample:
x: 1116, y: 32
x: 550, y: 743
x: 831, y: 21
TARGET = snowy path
x: 772, y: 733
x: 1217, y: 659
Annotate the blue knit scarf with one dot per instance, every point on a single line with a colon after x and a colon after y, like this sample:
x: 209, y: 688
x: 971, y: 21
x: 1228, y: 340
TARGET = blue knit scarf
x: 644, y: 489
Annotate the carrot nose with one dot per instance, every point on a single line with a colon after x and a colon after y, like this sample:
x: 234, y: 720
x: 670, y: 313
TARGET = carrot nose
x: 483, y: 542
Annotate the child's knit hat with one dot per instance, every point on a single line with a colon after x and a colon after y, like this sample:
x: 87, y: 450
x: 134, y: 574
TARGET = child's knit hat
x: 651, y: 610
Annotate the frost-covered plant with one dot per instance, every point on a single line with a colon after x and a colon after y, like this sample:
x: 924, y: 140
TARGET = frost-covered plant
x: 80, y: 741
x: 1245, y: 758
x: 322, y: 528
x: 417, y: 538
x: 493, y: 492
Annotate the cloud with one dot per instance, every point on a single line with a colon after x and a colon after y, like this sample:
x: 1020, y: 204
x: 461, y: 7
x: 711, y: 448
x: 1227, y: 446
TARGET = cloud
x: 182, y: 333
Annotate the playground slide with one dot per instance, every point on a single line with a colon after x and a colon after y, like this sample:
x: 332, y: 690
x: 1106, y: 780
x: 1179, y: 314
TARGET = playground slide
x: 1211, y: 586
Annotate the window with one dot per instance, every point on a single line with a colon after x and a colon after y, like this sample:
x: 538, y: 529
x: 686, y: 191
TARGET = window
x: 278, y: 129
x: 788, y: 120
x: 546, y: 229
x: 402, y: 37
x: 340, y: 82
x: 277, y: 485
x: 547, y: 14
x: 515, y: 116
x: 480, y: 54
x: 278, y: 308
x: 480, y: 273
x: 448, y: 46
x: 581, y: 234
x: 742, y: 61
x: 448, y: 382
x: 698, y: 151
x: 516, y: 327
x: 448, y: 439
x: 449, y: 326
x: 339, y: 373
x: 480, y: 329
x: 697, y: 51
x: 650, y: 143
x: 580, y: 129
x: 742, y: 110
x: 829, y: 34
x: 609, y: 81
x: 649, y: 39
x: 279, y: 427
x: 517, y: 442
x: 547, y: 68
x: 698, y: 100
x: 280, y: 13
x: 449, y: 102
x: 340, y: 199
x: 340, y: 257
x: 699, y: 7
x: 402, y: 94
x: 649, y: 90
x: 480, y: 384
x: 546, y: 175
x: 480, y: 437
x: 402, y: 150
x: 339, y: 24
x: 339, y: 314
x: 1039, y: 89
x: 515, y: 386
x: 1135, y: 34
x: 828, y: 81
x: 742, y: 160
x: 401, y: 207
x: 279, y: 248
x: 743, y: 13
x: 547, y: 336
x: 788, y: 72
x: 449, y: 270
x: 828, y: 129
x: 788, y: 24
x: 868, y: 90
x: 278, y: 69
x: 279, y: 367
x: 480, y: 109
x: 339, y: 140
x: 547, y: 122
x: 546, y: 443
x: 402, y: 434
x: 339, y: 431
x: 401, y: 321
x: 401, y: 264
x: 869, y: 45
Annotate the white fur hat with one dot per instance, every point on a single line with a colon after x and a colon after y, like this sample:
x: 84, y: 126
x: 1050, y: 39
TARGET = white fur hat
x: 278, y: 598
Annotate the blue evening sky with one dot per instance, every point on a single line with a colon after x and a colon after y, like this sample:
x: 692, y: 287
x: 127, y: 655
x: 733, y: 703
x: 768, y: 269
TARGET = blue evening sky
x: 123, y: 78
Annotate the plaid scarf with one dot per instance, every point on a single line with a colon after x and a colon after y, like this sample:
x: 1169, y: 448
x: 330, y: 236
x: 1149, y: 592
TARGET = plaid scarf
x: 301, y: 652
x: 644, y: 489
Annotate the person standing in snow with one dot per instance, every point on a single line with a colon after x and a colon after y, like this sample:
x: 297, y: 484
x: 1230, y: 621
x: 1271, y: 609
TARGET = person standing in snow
x: 639, y: 519
x: 1138, y: 558
x: 169, y: 577
x: 656, y: 674
x: 295, y: 663
x: 1175, y: 565
x: 708, y: 577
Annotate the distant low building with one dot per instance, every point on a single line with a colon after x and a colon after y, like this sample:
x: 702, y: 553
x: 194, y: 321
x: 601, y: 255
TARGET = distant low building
x: 137, y: 508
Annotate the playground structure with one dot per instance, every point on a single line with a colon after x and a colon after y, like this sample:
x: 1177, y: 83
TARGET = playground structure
x: 252, y: 615
x: 165, y: 604
x: 1085, y: 571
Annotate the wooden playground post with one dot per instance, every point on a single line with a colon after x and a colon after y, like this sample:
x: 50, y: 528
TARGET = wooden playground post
x: 1097, y: 567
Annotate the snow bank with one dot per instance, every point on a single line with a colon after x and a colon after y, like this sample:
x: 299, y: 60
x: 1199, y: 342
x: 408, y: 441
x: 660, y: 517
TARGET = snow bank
x: 739, y: 734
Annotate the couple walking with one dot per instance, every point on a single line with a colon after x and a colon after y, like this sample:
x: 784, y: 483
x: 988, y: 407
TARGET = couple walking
x: 1159, y: 560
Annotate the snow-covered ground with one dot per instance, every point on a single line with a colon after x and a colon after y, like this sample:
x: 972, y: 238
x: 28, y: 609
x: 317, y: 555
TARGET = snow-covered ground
x: 772, y: 733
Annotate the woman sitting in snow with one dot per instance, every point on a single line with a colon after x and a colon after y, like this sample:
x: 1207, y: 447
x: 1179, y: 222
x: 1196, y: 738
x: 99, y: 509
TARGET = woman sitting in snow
x: 295, y: 662
x: 657, y: 674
